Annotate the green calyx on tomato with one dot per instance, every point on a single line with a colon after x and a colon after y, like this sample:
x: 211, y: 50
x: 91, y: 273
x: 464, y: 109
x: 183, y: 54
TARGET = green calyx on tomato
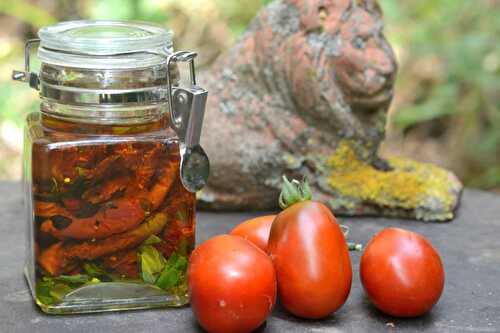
x: 293, y: 192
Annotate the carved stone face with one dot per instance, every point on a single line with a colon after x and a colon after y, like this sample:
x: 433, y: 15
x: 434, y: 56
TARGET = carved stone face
x: 354, y: 49
x: 365, y: 67
x: 340, y: 67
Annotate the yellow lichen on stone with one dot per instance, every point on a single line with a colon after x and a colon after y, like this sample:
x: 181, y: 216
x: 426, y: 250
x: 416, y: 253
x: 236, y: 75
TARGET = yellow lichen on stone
x: 407, y: 186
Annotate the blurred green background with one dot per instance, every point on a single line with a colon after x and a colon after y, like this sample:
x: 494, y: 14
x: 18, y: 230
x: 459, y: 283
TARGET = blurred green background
x: 447, y: 104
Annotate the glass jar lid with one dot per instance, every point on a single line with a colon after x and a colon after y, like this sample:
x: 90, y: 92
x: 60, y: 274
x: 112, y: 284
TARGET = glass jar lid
x: 98, y: 52
x: 104, y: 44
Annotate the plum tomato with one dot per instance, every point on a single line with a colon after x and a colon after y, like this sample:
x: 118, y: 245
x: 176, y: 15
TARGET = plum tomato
x: 232, y: 285
x: 402, y: 273
x: 255, y: 230
x: 310, y: 255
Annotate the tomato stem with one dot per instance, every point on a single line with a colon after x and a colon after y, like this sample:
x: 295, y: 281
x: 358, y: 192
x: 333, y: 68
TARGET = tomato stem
x: 354, y: 246
x: 294, y: 191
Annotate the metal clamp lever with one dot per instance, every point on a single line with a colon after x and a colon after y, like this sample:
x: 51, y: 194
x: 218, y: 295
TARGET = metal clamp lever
x: 187, y: 109
x: 27, y: 75
x: 188, y: 113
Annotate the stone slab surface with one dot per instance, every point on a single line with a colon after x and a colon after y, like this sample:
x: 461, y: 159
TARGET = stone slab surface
x: 469, y: 246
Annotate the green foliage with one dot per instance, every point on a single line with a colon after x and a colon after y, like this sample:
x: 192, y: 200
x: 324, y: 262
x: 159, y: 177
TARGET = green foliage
x: 173, y: 272
x: 152, y: 263
x: 460, y: 40
x: 155, y: 269
x: 52, y: 290
x: 96, y: 272
x: 128, y: 10
x: 238, y: 14
x: 27, y: 12
x: 13, y: 99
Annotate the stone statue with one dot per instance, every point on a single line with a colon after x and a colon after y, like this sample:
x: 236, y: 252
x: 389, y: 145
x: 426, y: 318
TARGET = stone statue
x: 305, y: 92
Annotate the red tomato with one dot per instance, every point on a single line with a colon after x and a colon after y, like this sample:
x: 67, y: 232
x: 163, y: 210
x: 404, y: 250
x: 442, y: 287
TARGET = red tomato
x: 401, y: 273
x: 311, y: 259
x: 232, y: 285
x: 255, y: 230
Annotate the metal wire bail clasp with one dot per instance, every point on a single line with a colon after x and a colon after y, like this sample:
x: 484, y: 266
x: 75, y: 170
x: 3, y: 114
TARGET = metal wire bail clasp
x: 26, y: 75
x: 187, y: 109
x: 186, y: 106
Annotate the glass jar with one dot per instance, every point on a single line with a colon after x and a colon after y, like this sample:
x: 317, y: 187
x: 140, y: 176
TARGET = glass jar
x: 111, y: 164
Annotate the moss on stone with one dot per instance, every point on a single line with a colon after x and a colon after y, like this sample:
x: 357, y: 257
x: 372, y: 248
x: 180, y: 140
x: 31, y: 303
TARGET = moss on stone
x: 408, y: 186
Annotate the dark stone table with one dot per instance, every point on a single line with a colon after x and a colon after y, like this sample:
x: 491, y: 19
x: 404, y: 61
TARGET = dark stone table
x: 469, y: 246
